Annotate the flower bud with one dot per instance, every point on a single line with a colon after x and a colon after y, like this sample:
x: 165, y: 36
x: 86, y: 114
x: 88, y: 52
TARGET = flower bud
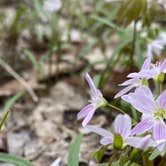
x: 118, y: 142
x: 160, y: 77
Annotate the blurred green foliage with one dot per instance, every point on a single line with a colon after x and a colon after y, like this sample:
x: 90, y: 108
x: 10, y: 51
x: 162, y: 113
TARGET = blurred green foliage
x: 49, y: 34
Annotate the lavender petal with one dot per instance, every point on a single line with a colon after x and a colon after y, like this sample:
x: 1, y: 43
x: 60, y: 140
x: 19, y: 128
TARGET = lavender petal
x: 91, y: 83
x: 122, y: 125
x: 162, y: 99
x: 123, y: 91
x: 106, y: 140
x: 146, y: 64
x: 143, y: 126
x: 163, y: 66
x: 88, y: 117
x: 142, y: 100
x: 84, y: 111
x: 138, y: 142
x: 99, y: 131
x: 159, y: 131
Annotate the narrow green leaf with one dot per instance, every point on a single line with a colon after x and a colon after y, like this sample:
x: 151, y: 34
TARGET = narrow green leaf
x: 126, y: 164
x: 12, y: 159
x: 8, y: 105
x: 135, y: 154
x: 86, y: 49
x: 73, y: 158
x: 138, y: 51
x: 106, y: 22
x: 123, y: 160
x: 3, y: 120
x: 98, y: 154
x: 32, y: 58
x: 12, y: 100
x: 154, y: 154
x: 116, y: 163
x: 96, y: 80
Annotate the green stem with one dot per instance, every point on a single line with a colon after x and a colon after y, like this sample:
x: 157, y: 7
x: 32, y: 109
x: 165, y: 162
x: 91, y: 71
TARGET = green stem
x: 147, y: 162
x: 160, y: 88
x: 113, y: 157
x: 163, y: 161
x: 127, y: 151
x: 133, y: 42
x: 116, y: 108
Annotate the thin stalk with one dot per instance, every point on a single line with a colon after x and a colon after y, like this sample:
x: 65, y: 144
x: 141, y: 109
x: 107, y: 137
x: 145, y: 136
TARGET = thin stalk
x: 163, y: 161
x: 160, y: 88
x: 116, y: 108
x: 113, y: 157
x: 147, y: 162
x: 144, y: 161
x: 133, y: 42
x: 127, y: 151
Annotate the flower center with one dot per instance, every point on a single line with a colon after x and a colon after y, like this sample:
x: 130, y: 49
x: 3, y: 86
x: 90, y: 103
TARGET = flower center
x: 160, y: 114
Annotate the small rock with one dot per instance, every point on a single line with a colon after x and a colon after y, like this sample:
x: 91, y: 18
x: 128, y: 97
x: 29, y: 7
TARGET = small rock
x: 56, y: 162
x: 16, y: 142
x: 33, y: 149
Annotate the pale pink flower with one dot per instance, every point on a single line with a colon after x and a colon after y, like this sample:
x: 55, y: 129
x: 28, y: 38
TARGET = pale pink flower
x: 153, y: 112
x: 96, y: 101
x: 135, y: 79
x: 123, y: 127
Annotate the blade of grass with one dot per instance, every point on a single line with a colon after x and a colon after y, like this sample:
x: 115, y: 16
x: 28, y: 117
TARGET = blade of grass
x: 73, y: 158
x: 8, y: 105
x: 18, y: 161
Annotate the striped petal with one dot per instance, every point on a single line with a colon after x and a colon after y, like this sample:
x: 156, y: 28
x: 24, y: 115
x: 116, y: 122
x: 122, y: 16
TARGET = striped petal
x: 91, y: 84
x: 88, y: 117
x: 159, y: 130
x: 106, y: 140
x: 162, y: 99
x: 84, y: 112
x: 124, y: 91
x: 99, y: 131
x: 143, y: 126
x: 122, y: 125
x: 138, y: 142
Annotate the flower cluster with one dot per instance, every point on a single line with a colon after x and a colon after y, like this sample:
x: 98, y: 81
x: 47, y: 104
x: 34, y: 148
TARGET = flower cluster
x: 122, y: 125
x: 142, y: 99
x: 150, y: 132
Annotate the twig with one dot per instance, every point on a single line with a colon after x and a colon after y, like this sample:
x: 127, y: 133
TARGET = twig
x: 19, y: 79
